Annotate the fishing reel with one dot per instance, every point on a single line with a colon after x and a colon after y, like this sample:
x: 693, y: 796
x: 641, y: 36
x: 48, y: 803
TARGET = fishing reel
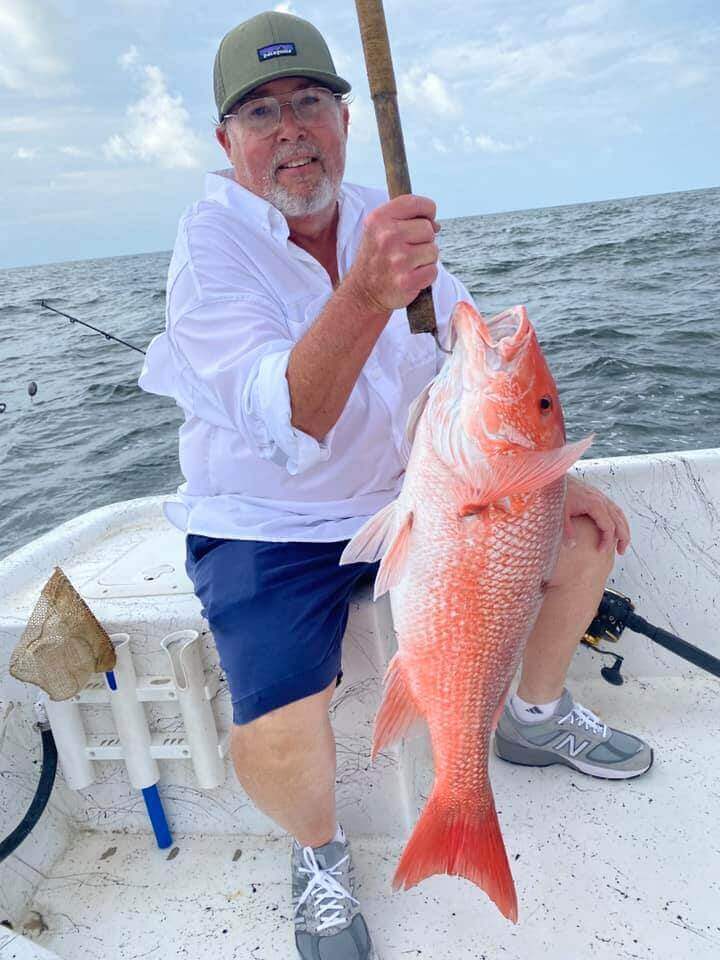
x: 608, y: 625
x: 617, y: 612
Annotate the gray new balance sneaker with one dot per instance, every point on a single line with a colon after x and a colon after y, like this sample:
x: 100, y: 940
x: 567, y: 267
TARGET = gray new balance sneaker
x: 573, y: 736
x: 328, y: 922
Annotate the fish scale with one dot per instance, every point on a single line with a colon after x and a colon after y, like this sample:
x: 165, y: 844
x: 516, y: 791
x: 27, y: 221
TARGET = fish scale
x: 467, y: 550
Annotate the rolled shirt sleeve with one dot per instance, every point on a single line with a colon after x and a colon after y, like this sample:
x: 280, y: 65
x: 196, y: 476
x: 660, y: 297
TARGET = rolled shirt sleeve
x: 267, y: 410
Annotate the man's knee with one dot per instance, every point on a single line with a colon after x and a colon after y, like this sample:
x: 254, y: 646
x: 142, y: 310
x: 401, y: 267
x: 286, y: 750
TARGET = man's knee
x: 273, y: 731
x: 584, y: 562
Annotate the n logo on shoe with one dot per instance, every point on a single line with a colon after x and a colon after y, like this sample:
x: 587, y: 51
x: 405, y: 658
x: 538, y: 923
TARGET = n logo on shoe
x: 569, y: 742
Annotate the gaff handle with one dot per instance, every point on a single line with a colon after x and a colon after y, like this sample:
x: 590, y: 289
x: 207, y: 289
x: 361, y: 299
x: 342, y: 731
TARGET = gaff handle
x: 383, y: 90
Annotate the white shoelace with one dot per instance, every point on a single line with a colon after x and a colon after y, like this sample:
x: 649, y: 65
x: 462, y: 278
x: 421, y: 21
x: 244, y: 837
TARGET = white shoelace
x: 583, y: 717
x: 327, y: 892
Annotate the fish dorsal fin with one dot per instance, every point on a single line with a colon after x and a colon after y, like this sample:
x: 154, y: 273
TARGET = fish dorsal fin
x: 416, y: 409
x: 521, y: 472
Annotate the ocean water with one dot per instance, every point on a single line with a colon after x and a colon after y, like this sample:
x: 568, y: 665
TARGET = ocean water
x: 624, y: 295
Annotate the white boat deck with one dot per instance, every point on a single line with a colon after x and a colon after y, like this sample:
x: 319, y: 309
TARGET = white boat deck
x: 604, y: 870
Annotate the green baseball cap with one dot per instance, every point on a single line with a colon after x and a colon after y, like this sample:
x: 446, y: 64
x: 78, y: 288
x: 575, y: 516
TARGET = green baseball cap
x: 266, y: 47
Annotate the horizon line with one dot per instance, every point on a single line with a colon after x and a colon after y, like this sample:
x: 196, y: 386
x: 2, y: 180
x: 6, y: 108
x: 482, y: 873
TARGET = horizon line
x: 465, y: 216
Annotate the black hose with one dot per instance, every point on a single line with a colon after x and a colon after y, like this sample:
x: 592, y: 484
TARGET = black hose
x: 42, y: 795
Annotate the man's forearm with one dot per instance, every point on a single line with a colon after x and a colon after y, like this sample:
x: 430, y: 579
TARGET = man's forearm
x: 325, y: 364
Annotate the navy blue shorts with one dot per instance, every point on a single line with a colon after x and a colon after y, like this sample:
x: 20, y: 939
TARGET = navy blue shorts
x: 277, y: 612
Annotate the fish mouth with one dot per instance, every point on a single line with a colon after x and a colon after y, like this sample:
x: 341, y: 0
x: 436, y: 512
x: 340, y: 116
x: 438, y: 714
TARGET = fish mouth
x: 497, y: 342
x: 504, y: 335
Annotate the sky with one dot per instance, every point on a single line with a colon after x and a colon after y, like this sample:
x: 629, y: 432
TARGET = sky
x: 106, y: 109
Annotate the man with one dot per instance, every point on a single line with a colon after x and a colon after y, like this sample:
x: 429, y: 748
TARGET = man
x: 288, y: 349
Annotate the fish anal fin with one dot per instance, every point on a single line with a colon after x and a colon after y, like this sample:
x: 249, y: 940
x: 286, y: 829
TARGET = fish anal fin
x: 398, y: 713
x: 392, y: 568
x: 464, y: 842
x: 373, y: 539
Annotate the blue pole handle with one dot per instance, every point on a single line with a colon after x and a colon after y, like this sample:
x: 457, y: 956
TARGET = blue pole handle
x: 157, y: 816
x: 151, y: 796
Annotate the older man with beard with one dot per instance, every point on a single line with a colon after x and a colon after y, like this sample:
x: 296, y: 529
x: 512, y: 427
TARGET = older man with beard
x: 287, y: 347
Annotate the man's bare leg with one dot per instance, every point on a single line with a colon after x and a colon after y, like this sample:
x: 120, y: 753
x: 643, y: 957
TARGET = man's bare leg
x: 570, y: 604
x: 285, y: 762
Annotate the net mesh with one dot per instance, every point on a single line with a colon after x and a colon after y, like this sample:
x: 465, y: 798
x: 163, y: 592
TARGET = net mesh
x: 63, y: 644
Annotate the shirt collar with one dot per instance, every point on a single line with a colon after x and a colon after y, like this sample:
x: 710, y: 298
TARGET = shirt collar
x: 222, y: 187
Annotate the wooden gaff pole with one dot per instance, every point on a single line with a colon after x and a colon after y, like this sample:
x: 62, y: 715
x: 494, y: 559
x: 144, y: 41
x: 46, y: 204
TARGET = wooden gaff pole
x: 381, y: 77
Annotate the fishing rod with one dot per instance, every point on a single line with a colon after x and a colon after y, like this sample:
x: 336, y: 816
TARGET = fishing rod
x: 108, y: 336
x: 615, y: 613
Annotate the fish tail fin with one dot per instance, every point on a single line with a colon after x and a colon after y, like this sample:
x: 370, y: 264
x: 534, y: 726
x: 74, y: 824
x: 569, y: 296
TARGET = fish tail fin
x: 398, y: 712
x: 460, y: 842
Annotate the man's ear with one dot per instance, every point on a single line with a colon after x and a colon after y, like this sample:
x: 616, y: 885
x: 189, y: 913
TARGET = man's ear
x: 346, y: 118
x: 221, y: 135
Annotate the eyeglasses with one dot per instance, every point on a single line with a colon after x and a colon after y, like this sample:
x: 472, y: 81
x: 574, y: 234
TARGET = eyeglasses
x: 311, y: 106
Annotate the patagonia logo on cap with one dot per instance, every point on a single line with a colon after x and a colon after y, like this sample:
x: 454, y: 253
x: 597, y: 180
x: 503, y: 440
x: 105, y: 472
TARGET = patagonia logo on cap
x: 277, y: 50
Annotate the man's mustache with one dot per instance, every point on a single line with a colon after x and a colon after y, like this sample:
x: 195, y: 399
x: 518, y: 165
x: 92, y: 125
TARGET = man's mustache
x: 287, y: 154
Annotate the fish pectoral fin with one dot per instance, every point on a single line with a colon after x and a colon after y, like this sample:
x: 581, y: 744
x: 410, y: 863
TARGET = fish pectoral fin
x: 392, y: 568
x: 525, y: 471
x: 373, y: 539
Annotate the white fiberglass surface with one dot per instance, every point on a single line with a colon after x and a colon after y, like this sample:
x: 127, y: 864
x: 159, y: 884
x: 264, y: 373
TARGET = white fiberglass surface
x: 603, y: 869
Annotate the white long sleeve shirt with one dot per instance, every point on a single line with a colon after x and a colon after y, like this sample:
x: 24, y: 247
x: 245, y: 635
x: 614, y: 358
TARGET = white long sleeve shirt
x: 240, y: 295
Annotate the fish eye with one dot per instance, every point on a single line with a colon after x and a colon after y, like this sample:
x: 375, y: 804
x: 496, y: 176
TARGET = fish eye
x: 546, y: 404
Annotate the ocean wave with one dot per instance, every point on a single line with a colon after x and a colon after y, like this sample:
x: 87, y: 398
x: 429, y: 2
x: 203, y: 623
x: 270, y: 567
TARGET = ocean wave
x: 624, y: 295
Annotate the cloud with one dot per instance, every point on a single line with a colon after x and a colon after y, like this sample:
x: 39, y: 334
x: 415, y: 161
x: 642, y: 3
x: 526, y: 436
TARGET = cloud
x: 23, y: 124
x: 363, y: 125
x: 483, y: 143
x: 32, y: 153
x: 77, y: 152
x: 659, y: 53
x: 428, y: 90
x: 689, y: 77
x: 157, y: 128
x: 30, y: 32
x: 129, y: 58
x: 581, y: 15
x: 285, y: 7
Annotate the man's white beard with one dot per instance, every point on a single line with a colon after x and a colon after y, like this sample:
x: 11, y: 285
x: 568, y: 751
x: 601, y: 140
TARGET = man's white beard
x: 295, y: 205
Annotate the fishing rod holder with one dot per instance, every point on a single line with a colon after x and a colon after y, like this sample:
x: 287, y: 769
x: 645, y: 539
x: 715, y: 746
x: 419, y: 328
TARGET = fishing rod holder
x: 132, y: 741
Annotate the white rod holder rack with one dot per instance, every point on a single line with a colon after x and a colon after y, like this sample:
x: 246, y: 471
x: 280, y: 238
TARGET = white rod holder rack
x: 77, y: 749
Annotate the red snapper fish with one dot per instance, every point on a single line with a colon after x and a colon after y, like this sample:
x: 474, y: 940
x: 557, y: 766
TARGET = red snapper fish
x: 467, y: 550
